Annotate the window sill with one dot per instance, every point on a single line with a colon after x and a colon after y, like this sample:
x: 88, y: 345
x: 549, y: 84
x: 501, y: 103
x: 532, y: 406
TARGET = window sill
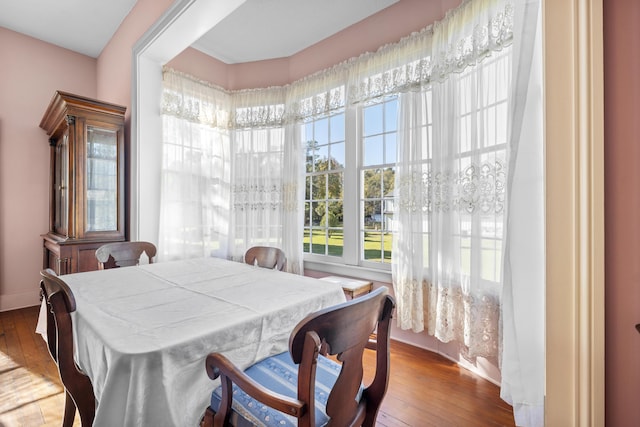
x: 349, y: 270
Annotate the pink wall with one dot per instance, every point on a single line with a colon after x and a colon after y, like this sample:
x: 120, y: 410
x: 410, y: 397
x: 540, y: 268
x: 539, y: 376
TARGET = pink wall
x: 202, y: 66
x: 30, y: 73
x: 622, y: 211
x: 114, y: 62
x: 249, y: 75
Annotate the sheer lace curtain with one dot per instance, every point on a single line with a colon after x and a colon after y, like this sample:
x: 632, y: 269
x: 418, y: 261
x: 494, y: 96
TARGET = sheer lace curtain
x: 450, y: 188
x: 468, y: 251
x: 196, y: 170
x: 258, y: 172
x: 231, y: 172
x: 523, y: 336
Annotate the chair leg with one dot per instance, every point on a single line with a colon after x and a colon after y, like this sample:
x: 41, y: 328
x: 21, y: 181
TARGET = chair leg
x: 69, y: 410
x: 207, y: 420
x: 87, y: 413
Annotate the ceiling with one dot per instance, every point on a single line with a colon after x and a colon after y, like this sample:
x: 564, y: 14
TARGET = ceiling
x: 267, y: 29
x: 257, y: 30
x: 79, y: 25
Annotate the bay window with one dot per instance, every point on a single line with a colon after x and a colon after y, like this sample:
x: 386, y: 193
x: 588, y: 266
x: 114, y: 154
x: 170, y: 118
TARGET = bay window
x: 398, y: 163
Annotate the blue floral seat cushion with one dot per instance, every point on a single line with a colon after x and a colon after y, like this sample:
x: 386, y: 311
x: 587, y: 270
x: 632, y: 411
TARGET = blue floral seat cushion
x: 280, y: 374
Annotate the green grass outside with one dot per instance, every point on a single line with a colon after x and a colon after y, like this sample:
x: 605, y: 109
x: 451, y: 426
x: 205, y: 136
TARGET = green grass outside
x: 372, y: 244
x: 490, y: 253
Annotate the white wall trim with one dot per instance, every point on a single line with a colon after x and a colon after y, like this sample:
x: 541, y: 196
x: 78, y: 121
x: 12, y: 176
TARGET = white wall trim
x: 16, y: 301
x: 182, y: 24
x: 574, y: 135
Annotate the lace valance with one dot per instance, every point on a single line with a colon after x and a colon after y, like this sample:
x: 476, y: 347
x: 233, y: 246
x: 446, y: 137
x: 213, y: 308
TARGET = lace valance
x: 194, y: 100
x: 477, y: 28
x: 465, y: 36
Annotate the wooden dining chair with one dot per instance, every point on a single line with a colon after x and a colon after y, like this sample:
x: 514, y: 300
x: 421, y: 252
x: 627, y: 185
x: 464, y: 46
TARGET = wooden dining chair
x: 77, y: 386
x: 305, y: 384
x: 266, y: 256
x: 123, y: 254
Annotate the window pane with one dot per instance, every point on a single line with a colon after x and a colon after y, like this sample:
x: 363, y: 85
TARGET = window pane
x: 307, y: 131
x: 336, y: 125
x: 390, y: 148
x: 388, y: 181
x: 372, y: 245
x: 337, y: 154
x: 319, y: 241
x: 373, y: 120
x: 387, y: 214
x: 336, y: 247
x: 321, y: 158
x: 335, y: 185
x: 321, y: 131
x: 307, y: 214
x: 387, y: 244
x: 317, y: 210
x: 373, y: 150
x: 336, y: 214
x: 310, y: 156
x: 391, y: 116
x: 307, y: 188
x: 319, y: 187
x: 372, y: 215
x: 372, y: 183
x: 306, y: 241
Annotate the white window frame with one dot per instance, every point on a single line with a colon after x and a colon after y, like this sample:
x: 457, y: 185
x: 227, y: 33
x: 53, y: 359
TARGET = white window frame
x: 349, y: 263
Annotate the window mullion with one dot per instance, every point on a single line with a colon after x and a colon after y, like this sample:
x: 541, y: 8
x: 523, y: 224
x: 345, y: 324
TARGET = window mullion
x: 351, y: 185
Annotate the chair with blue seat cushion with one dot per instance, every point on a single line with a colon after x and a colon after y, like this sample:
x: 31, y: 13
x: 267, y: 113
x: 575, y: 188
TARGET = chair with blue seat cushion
x: 302, y: 387
x: 279, y: 374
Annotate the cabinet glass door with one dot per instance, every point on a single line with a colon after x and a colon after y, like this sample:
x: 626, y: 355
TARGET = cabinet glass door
x: 61, y: 186
x: 101, y: 180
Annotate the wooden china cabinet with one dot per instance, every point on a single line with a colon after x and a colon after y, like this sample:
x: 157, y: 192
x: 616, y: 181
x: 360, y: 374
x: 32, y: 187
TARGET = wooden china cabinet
x: 86, y: 181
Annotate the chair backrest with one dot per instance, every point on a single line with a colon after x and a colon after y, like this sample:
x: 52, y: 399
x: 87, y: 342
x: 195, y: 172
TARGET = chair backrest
x: 344, y: 330
x: 266, y: 256
x: 61, y: 303
x: 123, y: 254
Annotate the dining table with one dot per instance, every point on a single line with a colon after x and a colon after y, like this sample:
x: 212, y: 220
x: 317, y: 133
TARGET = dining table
x: 142, y: 333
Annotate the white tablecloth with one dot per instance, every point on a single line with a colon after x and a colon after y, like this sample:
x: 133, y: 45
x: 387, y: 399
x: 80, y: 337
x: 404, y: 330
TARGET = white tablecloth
x: 142, y: 333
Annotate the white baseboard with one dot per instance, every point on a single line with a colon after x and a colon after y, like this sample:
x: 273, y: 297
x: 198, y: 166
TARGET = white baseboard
x: 21, y: 300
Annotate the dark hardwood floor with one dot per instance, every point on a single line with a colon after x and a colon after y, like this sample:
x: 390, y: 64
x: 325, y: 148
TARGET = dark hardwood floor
x: 425, y: 389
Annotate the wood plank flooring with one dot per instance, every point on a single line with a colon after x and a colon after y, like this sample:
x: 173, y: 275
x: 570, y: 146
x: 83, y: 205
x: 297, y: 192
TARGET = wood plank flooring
x: 425, y: 389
